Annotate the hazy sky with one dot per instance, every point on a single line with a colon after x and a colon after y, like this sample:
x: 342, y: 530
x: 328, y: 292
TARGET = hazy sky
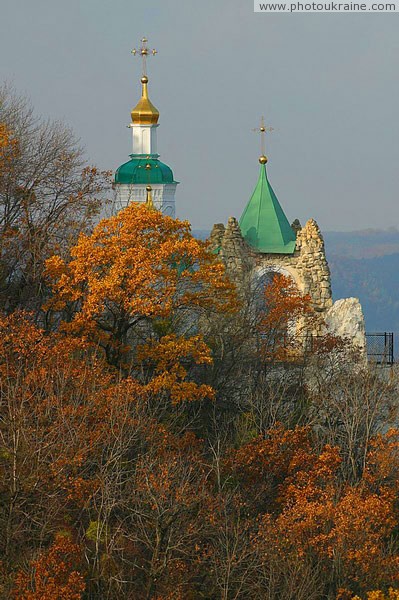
x: 327, y: 83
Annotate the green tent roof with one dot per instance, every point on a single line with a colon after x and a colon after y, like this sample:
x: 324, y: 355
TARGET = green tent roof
x: 145, y: 170
x: 263, y: 223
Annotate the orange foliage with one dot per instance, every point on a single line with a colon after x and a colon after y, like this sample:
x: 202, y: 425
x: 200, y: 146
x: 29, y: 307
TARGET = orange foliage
x: 56, y: 389
x: 383, y: 460
x: 379, y: 595
x: 307, y: 511
x: 169, y: 359
x: 141, y: 272
x: 283, y: 320
x: 169, y: 516
x: 9, y: 147
x: 64, y: 408
x: 283, y: 465
x: 136, y: 266
x: 54, y: 575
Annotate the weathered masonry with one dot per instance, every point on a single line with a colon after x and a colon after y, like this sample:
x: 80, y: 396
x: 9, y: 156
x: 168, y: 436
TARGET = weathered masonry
x: 263, y: 242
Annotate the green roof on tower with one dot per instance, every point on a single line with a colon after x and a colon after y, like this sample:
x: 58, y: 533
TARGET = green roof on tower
x: 144, y: 169
x: 263, y: 223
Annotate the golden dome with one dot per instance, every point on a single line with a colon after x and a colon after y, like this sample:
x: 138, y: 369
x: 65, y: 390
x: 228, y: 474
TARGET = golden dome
x: 263, y: 159
x: 145, y: 112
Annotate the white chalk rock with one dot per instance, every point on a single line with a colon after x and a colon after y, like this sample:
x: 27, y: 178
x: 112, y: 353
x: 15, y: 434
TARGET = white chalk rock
x: 345, y: 319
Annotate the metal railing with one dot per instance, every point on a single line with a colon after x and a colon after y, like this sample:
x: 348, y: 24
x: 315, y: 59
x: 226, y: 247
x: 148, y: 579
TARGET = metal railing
x: 380, y: 348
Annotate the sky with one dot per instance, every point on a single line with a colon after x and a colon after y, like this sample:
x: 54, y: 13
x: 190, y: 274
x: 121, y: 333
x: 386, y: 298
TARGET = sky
x: 327, y: 83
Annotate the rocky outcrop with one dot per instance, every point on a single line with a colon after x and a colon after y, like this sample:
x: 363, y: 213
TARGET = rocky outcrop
x: 296, y: 226
x: 345, y: 320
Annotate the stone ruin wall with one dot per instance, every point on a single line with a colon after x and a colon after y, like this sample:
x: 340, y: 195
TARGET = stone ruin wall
x: 308, y: 267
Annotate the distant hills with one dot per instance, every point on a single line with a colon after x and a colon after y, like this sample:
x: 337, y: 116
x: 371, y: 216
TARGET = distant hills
x: 364, y: 264
x: 368, y: 243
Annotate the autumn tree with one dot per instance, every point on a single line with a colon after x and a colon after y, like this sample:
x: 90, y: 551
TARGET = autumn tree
x: 70, y: 435
x: 54, y: 412
x: 349, y: 410
x: 55, y: 574
x: 81, y: 451
x: 284, y: 318
x: 169, y: 501
x: 342, y: 531
x: 70, y: 431
x: 48, y: 194
x: 159, y: 513
x: 139, y: 277
x: 270, y: 330
x: 158, y: 439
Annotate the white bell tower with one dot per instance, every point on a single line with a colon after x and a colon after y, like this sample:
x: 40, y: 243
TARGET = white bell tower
x: 144, y: 169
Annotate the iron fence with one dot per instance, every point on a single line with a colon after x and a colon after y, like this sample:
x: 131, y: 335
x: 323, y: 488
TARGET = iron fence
x: 380, y: 348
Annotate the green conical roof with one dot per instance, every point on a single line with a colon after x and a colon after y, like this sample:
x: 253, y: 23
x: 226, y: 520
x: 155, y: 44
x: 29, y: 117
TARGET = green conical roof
x: 263, y: 223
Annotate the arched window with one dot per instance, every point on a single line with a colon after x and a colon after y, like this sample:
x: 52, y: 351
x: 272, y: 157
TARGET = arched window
x: 278, y: 309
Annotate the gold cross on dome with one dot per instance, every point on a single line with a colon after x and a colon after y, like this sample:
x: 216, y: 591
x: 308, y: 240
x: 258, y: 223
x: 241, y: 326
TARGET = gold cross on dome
x: 144, y: 51
x: 262, y: 129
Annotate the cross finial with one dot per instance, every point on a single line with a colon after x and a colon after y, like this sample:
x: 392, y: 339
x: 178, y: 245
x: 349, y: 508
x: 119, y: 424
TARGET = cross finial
x: 262, y: 129
x: 144, y: 51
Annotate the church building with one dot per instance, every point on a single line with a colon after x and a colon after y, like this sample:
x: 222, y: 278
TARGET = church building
x: 144, y: 178
x: 262, y: 243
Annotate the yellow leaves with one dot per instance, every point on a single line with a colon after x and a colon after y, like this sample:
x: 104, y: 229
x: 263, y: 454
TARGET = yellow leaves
x: 285, y: 307
x: 9, y: 148
x: 139, y: 269
x: 379, y: 595
x: 284, y: 302
x: 169, y: 359
x: 96, y: 531
x: 136, y: 261
x: 56, y: 266
x: 190, y: 391
x: 171, y: 348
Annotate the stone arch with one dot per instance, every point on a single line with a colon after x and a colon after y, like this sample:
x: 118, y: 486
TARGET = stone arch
x: 268, y: 268
x: 260, y: 275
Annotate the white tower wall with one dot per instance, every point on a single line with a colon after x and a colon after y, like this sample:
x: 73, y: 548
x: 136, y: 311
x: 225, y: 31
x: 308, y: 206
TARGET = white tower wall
x: 163, y: 195
x: 144, y: 138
